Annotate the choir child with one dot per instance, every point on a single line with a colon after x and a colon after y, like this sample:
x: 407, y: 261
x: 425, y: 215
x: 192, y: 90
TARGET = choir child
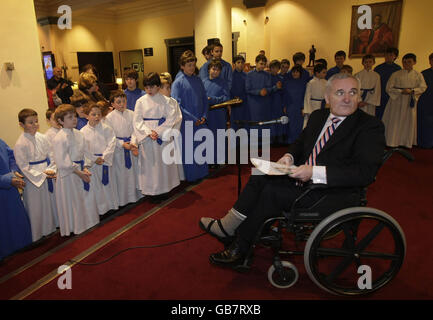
x: 189, y: 92
x: 299, y: 59
x: 340, y: 57
x: 126, y: 151
x: 100, y: 143
x: 76, y: 206
x: 165, y: 90
x: 154, y: 115
x: 133, y: 93
x: 54, y: 126
x: 259, y: 86
x: 385, y: 70
x: 370, y: 86
x: 217, y: 92
x: 346, y: 69
x: 78, y: 100
x: 34, y: 157
x: 425, y: 110
x: 277, y: 130
x: 314, y: 98
x: 404, y: 88
x: 294, y: 93
x: 238, y: 90
x: 226, y: 72
x: 285, y: 69
x: 15, y: 230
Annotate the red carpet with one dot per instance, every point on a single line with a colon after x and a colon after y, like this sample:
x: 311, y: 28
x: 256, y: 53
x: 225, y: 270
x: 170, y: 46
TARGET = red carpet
x: 182, y: 271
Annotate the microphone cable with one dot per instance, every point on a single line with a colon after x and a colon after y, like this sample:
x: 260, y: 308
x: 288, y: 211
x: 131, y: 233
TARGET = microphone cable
x: 137, y: 247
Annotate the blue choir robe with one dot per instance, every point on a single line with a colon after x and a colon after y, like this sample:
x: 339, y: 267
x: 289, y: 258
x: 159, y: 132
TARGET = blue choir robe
x: 294, y: 92
x: 15, y: 230
x: 132, y: 97
x: 238, y: 90
x: 217, y: 92
x: 305, y: 76
x: 226, y: 72
x: 276, y: 105
x: 332, y: 71
x: 425, y: 112
x: 385, y: 70
x: 189, y: 92
x: 81, y: 122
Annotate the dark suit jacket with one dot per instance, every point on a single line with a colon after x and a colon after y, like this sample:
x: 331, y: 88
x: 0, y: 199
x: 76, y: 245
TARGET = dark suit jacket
x: 352, y: 155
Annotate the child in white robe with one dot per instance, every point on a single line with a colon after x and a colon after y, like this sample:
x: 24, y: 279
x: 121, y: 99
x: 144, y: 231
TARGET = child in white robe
x: 34, y: 158
x: 76, y: 205
x: 100, y: 143
x: 54, y: 126
x: 165, y: 90
x: 153, y: 116
x: 126, y: 152
x: 370, y: 86
x: 404, y: 88
x: 314, y: 98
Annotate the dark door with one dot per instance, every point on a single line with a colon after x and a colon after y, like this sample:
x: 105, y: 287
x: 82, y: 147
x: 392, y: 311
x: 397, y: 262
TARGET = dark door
x: 175, y: 48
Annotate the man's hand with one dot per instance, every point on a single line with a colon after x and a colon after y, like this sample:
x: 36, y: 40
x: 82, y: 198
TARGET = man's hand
x: 303, y: 173
x: 18, y: 183
x: 286, y: 160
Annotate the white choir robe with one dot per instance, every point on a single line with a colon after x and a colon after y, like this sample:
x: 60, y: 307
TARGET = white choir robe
x: 154, y: 175
x: 399, y: 118
x: 370, y: 80
x: 76, y: 207
x: 39, y: 202
x: 177, y: 139
x: 126, y: 179
x: 51, y: 133
x: 101, y: 140
x: 315, y: 90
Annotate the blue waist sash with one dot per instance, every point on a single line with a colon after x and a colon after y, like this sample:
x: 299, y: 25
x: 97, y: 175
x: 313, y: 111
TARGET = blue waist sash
x: 104, y: 171
x: 365, y: 92
x: 412, y: 99
x: 128, y: 163
x: 85, y: 184
x: 49, y: 181
x: 323, y: 104
x: 160, y: 121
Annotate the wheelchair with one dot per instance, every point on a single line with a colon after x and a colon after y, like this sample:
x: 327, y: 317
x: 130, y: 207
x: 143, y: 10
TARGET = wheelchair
x: 348, y: 251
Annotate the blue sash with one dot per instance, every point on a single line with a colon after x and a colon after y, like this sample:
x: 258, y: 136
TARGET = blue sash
x: 322, y: 105
x: 104, y: 171
x: 85, y: 184
x: 365, y: 92
x: 49, y: 181
x: 160, y: 121
x: 412, y: 99
x: 128, y: 163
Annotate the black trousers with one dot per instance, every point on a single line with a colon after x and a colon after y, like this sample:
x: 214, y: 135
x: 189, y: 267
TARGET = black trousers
x: 266, y: 197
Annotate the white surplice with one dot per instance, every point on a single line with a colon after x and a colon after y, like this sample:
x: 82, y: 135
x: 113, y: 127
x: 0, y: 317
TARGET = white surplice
x: 127, y: 182
x: 315, y: 90
x: 101, y: 140
x: 51, y: 133
x: 154, y: 175
x: 370, y: 80
x: 399, y: 118
x: 177, y: 138
x: 77, y: 208
x: 39, y: 202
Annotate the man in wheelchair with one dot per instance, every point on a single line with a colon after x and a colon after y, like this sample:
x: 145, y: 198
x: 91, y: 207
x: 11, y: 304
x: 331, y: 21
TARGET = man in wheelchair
x: 341, y: 147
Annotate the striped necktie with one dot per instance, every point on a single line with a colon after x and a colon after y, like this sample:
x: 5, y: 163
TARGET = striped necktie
x: 322, y: 141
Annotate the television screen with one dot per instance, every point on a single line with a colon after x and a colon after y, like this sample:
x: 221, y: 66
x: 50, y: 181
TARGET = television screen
x: 48, y: 65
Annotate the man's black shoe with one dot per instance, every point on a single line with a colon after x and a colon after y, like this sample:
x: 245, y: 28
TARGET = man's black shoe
x: 232, y: 257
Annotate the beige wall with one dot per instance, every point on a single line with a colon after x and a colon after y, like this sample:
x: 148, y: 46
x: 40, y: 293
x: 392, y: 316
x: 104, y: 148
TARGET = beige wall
x: 23, y: 87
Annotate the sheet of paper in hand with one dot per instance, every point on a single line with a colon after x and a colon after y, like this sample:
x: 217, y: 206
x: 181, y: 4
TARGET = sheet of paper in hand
x: 271, y: 168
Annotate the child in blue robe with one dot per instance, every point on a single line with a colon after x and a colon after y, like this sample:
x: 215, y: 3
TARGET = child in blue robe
x: 238, y: 90
x: 133, y: 93
x: 276, y: 99
x: 226, y: 72
x: 217, y: 92
x: 15, y: 230
x: 340, y: 57
x: 189, y: 92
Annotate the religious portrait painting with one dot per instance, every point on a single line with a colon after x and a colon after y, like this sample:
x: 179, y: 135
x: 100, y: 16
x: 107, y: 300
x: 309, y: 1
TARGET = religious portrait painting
x: 384, y: 32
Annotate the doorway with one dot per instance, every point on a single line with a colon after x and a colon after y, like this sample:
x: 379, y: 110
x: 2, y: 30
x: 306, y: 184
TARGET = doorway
x: 132, y: 59
x: 175, y: 48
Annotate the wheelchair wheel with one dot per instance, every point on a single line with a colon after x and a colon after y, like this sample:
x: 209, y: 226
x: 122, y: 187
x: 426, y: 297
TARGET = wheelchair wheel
x: 283, y: 277
x: 364, y: 257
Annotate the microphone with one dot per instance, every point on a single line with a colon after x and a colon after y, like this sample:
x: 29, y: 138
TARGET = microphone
x: 282, y: 120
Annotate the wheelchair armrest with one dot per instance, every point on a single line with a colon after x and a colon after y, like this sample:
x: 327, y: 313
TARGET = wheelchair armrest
x: 309, y: 188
